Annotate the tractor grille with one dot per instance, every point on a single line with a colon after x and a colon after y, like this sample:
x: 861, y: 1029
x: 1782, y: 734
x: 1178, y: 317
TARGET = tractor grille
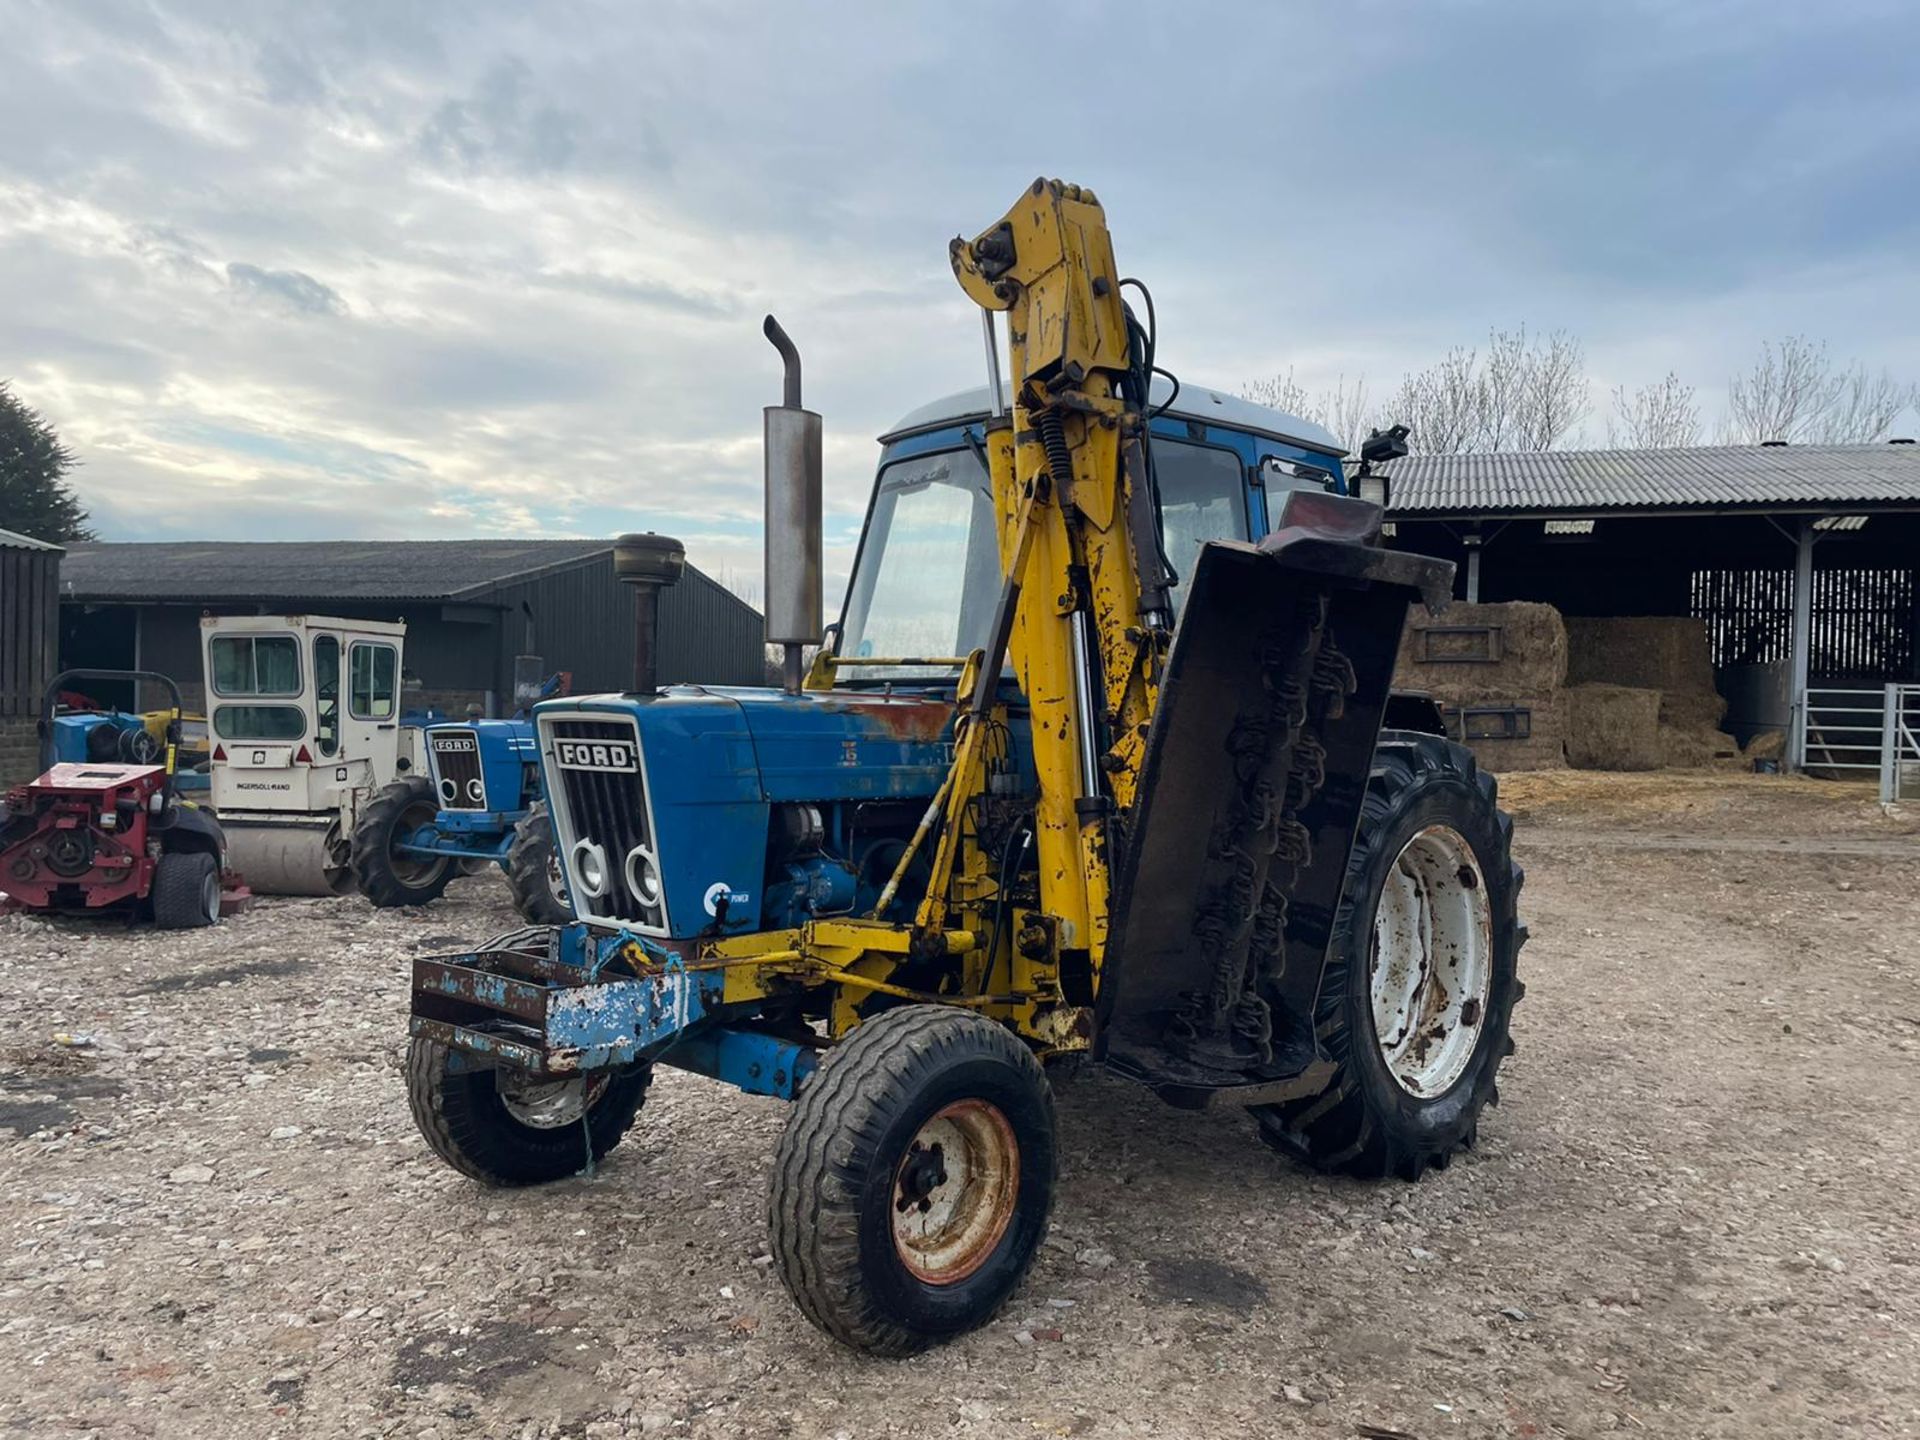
x: 600, y: 807
x: 455, y: 758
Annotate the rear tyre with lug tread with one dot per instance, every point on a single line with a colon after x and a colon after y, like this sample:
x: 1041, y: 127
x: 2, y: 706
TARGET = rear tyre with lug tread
x: 386, y: 875
x: 533, y: 872
x: 912, y: 1186
x: 1421, y: 976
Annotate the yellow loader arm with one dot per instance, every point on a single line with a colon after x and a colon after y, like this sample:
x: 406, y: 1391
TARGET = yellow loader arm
x: 1191, y: 848
x: 1088, y: 624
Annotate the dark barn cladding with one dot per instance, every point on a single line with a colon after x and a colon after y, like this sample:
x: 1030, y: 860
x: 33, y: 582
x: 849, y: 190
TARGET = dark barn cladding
x: 29, y: 637
x: 470, y: 606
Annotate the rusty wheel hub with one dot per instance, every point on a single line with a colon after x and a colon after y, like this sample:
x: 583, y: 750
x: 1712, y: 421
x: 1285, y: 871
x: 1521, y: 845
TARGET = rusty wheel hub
x: 954, y: 1192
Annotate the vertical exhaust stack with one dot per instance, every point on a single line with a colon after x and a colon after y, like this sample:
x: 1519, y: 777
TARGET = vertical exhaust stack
x: 649, y: 563
x: 793, y: 556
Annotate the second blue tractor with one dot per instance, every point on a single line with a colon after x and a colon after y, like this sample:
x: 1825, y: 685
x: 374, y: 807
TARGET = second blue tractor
x: 479, y: 803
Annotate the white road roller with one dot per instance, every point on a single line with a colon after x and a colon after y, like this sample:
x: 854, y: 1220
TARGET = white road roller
x: 303, y: 715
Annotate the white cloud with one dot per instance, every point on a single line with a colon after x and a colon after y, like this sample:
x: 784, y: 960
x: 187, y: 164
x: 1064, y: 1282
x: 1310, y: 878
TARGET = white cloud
x: 363, y: 269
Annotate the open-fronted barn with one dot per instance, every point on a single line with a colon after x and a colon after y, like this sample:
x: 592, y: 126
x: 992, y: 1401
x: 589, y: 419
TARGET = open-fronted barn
x: 1799, y: 560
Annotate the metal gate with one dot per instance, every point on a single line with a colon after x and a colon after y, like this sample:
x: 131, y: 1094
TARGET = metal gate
x: 1855, y: 733
x: 1840, y: 731
x: 1900, y: 745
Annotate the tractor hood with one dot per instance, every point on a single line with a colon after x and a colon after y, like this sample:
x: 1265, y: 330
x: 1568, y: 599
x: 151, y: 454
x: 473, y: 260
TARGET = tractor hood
x: 683, y: 783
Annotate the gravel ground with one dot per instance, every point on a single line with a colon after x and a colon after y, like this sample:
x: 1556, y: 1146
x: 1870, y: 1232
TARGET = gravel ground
x: 1694, y: 1213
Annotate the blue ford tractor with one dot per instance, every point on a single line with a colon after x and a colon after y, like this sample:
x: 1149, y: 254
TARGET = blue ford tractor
x: 480, y: 802
x: 1100, y: 764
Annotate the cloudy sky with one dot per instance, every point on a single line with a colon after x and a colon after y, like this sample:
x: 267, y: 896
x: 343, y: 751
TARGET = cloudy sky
x: 337, y: 269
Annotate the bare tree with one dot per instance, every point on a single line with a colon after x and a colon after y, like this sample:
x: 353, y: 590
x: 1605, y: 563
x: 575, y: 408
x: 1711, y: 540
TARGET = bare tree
x: 1343, y: 409
x: 1653, y: 417
x: 1442, y: 405
x: 1554, y: 399
x: 1523, y: 394
x: 1346, y: 411
x: 1784, y: 396
x: 1793, y: 393
x: 1282, y: 392
x: 1864, y: 410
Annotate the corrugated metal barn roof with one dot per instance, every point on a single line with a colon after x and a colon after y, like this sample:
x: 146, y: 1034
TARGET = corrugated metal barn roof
x: 14, y: 540
x: 1708, y: 477
x: 310, y: 569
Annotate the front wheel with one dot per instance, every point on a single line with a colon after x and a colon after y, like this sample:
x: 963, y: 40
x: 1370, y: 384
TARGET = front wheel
x: 533, y: 871
x: 386, y: 874
x: 912, y: 1185
x: 505, y: 1127
x: 1420, y: 981
x: 186, y: 889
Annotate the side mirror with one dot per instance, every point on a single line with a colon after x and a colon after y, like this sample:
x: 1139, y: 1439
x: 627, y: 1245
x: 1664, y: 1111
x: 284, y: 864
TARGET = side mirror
x: 1381, y: 446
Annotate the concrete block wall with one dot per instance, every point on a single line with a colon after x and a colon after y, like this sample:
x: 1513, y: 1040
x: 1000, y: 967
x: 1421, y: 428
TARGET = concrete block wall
x: 19, y: 750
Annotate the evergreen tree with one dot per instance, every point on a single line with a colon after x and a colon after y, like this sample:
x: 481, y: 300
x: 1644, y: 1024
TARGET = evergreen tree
x: 35, y: 499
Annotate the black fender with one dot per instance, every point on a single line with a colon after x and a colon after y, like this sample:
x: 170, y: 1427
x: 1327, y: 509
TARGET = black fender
x: 1414, y: 710
x: 186, y: 828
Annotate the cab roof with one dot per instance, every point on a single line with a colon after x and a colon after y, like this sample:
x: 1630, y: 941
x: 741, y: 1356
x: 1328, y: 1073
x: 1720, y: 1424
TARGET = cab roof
x: 1194, y: 402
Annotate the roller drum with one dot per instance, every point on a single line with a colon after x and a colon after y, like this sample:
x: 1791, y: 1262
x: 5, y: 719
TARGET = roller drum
x: 288, y: 859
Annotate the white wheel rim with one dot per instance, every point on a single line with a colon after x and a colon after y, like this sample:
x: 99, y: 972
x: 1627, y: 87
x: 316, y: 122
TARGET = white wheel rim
x: 548, y: 1104
x: 1431, y: 962
x: 954, y: 1192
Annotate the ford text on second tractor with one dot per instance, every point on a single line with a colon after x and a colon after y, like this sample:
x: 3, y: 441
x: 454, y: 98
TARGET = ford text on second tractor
x: 1093, y: 767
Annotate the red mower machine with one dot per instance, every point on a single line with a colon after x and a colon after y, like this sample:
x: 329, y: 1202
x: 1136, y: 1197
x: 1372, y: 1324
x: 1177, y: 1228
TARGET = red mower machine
x: 92, y: 836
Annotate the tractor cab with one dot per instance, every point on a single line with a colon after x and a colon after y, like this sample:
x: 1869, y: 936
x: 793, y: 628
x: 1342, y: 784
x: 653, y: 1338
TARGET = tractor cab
x: 303, y: 715
x: 927, y: 574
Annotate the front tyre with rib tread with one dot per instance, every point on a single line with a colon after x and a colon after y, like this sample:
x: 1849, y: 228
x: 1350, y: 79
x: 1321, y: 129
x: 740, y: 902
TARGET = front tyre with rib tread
x: 186, y: 889
x: 912, y: 1185
x: 475, y: 1120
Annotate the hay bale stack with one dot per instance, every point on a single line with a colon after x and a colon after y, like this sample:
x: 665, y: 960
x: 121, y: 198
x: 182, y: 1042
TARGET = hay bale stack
x: 1529, y: 671
x: 1613, y: 727
x: 1667, y: 653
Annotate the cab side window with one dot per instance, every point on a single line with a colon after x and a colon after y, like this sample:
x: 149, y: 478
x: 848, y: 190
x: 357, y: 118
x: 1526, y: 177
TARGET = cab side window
x: 375, y: 681
x: 326, y: 692
x: 1203, y: 496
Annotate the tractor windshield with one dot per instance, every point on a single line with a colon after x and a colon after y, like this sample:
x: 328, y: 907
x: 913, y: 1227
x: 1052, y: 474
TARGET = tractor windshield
x: 929, y: 569
x: 928, y: 575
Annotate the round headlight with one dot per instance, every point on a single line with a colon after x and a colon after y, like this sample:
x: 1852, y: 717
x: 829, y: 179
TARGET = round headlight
x: 643, y: 876
x: 449, y: 791
x: 590, y: 868
x: 476, y: 791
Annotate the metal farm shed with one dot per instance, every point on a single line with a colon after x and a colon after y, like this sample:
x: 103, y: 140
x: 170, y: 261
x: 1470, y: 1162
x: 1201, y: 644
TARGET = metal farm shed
x: 29, y: 635
x: 1804, y: 561
x: 470, y: 607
